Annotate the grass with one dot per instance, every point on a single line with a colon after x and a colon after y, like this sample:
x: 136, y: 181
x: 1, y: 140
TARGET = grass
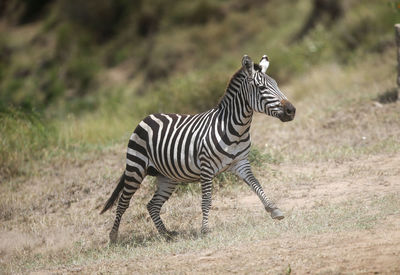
x: 58, y: 164
x: 62, y: 73
x: 244, y: 227
x: 21, y: 134
x: 331, y: 133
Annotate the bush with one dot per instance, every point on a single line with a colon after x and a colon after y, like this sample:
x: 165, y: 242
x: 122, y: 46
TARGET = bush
x: 100, y: 17
x: 81, y: 74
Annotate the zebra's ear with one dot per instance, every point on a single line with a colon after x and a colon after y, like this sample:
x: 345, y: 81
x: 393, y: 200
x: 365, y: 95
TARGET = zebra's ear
x: 248, y: 65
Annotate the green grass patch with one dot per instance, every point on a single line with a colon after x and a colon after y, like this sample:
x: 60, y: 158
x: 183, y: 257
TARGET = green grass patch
x: 23, y: 138
x: 60, y: 70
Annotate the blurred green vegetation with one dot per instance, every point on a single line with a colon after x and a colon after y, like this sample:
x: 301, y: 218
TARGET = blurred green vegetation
x: 78, y: 74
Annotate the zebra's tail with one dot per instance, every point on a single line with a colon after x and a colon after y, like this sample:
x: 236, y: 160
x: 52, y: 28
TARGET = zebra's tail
x: 114, y: 195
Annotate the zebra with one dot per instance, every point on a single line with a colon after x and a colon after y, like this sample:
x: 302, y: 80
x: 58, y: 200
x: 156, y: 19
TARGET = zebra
x: 178, y: 148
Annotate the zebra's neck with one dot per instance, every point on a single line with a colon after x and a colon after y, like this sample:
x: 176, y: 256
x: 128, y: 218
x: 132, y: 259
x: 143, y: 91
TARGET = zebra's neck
x: 234, y: 107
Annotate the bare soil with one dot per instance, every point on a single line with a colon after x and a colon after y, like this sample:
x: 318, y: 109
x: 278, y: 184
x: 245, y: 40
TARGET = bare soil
x: 369, y: 252
x: 53, y: 226
x: 373, y: 251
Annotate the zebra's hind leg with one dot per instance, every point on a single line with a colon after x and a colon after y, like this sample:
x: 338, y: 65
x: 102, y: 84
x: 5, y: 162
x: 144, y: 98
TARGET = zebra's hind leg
x: 165, y: 187
x: 206, y: 188
x: 133, y: 179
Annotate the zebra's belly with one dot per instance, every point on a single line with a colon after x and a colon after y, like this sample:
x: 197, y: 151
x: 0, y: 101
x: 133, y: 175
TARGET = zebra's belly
x: 188, y: 168
x: 181, y: 169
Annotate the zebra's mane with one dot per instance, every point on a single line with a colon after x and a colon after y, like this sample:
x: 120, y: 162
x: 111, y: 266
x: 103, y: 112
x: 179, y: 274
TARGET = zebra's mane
x: 230, y: 87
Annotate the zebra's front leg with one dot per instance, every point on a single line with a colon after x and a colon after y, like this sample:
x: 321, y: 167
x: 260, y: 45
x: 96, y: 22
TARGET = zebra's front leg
x: 243, y: 170
x: 206, y: 188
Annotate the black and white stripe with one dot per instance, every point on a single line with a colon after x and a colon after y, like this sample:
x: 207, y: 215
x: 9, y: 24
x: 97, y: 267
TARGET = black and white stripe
x: 186, y: 148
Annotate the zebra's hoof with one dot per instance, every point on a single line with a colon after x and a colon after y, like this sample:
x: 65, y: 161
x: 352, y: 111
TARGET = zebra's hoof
x: 172, y: 233
x: 205, y: 230
x: 277, y: 214
x: 169, y: 235
x: 113, y: 237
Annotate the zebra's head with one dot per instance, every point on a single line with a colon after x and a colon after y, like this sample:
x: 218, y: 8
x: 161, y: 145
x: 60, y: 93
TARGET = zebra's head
x: 264, y: 95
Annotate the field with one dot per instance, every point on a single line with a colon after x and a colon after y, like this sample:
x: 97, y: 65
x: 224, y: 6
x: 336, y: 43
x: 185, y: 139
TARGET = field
x: 72, y: 89
x: 334, y: 170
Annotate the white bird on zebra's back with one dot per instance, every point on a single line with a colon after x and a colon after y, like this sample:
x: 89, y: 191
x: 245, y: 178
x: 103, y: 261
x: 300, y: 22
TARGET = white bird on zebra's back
x: 264, y: 63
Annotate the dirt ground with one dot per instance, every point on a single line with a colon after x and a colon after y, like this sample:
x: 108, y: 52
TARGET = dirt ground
x: 367, y: 251
x: 373, y: 252
x: 372, y: 249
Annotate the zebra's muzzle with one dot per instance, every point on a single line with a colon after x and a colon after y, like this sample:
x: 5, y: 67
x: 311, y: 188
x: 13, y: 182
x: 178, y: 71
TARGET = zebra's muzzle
x: 289, y: 111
